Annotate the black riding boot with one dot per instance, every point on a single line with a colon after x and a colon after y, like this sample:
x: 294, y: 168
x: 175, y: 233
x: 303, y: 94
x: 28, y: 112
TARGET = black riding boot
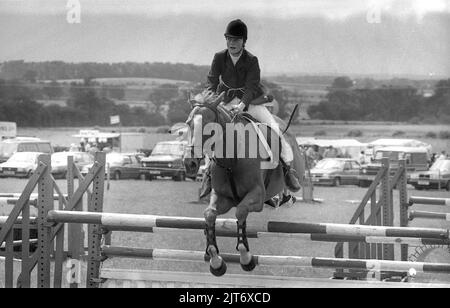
x: 290, y: 177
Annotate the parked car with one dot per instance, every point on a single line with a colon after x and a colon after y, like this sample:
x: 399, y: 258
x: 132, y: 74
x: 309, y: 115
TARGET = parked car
x: 166, y: 160
x: 121, y: 166
x: 59, y: 162
x: 20, y: 164
x: 416, y: 160
x: 437, y: 177
x: 23, y: 144
x: 336, y: 171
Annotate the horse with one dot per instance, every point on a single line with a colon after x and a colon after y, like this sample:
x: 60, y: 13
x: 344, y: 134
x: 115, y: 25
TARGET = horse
x: 236, y: 181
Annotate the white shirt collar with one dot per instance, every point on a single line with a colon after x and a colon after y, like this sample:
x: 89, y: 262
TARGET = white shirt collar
x: 235, y: 59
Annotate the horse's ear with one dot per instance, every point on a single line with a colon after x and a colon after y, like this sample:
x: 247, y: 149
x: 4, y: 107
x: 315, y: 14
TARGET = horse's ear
x: 218, y: 99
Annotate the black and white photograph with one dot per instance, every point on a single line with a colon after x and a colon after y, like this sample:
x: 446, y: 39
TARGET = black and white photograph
x: 225, y: 149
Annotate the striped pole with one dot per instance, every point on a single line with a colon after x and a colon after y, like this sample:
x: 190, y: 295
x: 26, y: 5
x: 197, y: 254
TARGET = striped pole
x: 141, y: 222
x: 429, y: 215
x: 199, y: 256
x: 18, y: 220
x: 18, y: 195
x: 322, y: 237
x: 12, y: 199
x: 429, y: 201
x: 19, y: 243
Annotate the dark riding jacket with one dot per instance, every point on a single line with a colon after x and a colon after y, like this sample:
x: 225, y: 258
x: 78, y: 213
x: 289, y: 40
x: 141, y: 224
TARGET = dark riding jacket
x: 245, y: 75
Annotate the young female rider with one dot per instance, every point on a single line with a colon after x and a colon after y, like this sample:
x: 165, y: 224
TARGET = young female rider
x: 236, y: 71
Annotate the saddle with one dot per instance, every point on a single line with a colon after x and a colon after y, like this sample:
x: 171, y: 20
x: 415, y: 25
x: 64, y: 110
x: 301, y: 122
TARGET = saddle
x: 256, y: 126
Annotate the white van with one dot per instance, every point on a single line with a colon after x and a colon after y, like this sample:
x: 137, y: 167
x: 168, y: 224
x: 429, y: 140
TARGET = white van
x: 23, y: 144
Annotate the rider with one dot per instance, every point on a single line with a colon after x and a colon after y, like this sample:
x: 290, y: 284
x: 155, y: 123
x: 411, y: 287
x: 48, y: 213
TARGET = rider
x: 236, y: 71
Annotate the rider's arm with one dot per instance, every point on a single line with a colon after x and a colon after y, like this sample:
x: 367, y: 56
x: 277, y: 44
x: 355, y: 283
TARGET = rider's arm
x: 252, y: 82
x: 214, y: 73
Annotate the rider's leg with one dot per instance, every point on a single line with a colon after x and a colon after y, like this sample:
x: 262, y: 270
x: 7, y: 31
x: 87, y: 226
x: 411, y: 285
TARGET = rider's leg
x: 262, y: 114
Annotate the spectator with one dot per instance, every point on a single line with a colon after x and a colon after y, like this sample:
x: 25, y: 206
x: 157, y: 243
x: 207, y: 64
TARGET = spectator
x: 94, y: 148
x: 442, y: 156
x: 330, y: 152
x: 73, y: 148
x: 432, y: 159
x: 313, y: 155
x: 362, y: 158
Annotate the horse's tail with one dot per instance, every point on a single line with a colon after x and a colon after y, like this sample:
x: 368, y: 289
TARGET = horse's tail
x: 290, y: 118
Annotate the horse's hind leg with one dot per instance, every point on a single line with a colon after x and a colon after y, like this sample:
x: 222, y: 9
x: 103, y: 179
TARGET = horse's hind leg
x: 216, y: 207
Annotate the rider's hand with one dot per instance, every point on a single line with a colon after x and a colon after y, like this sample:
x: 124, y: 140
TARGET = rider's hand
x: 239, y: 108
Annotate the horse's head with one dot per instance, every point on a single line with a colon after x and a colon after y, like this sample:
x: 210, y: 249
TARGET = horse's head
x: 204, y: 111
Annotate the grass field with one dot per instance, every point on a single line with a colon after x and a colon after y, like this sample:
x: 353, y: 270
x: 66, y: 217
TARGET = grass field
x: 165, y: 197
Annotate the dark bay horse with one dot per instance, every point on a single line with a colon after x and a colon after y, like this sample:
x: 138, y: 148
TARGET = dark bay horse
x: 237, y: 181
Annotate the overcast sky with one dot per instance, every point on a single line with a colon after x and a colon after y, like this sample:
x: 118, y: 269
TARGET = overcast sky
x: 387, y: 37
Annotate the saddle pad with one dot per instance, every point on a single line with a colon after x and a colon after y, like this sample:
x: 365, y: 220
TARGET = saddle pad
x: 260, y: 134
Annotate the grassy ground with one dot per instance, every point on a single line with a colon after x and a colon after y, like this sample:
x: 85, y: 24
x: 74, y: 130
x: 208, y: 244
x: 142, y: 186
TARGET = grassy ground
x: 165, y: 197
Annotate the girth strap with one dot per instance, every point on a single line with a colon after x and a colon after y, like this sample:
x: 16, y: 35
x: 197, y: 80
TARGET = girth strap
x: 231, y: 179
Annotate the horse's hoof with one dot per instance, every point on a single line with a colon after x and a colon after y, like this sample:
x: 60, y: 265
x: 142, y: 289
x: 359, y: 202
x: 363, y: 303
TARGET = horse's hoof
x: 250, y: 266
x: 218, y: 271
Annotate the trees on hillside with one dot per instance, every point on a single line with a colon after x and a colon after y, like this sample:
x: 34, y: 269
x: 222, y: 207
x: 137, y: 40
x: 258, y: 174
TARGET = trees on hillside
x: 163, y: 94
x: 54, y: 70
x: 382, y: 103
x: 53, y: 90
x: 84, y: 108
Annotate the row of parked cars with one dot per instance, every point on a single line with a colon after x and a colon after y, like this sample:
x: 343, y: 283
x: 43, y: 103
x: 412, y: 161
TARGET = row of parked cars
x: 20, y: 159
x: 337, y: 171
x: 166, y: 160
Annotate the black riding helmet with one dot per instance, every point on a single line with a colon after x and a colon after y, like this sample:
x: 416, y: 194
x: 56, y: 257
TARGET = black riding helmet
x: 236, y: 28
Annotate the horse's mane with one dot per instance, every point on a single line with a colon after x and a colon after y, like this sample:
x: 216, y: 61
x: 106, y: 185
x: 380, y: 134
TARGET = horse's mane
x: 202, y: 100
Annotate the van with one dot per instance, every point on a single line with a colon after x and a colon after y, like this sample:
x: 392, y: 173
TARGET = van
x: 23, y: 144
x: 417, y: 159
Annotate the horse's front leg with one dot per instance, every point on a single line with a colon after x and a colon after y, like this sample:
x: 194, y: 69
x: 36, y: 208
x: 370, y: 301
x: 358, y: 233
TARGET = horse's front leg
x: 253, y: 202
x: 217, y: 206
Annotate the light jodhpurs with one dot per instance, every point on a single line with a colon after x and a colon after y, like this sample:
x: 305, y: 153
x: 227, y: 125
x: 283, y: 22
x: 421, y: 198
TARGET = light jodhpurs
x: 262, y: 114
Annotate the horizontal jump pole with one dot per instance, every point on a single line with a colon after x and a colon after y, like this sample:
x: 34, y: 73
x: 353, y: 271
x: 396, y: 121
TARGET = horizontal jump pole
x: 429, y: 215
x: 265, y: 260
x: 173, y: 279
x: 32, y: 196
x: 131, y: 221
x: 19, y: 243
x: 18, y: 220
x: 429, y: 201
x: 13, y: 201
x: 318, y: 237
